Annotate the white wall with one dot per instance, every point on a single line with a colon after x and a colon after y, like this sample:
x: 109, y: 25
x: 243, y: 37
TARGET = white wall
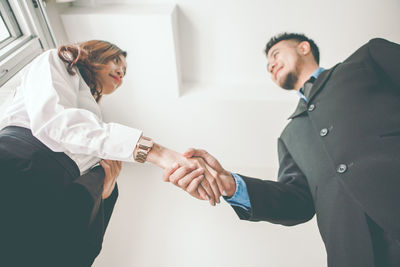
x: 230, y: 107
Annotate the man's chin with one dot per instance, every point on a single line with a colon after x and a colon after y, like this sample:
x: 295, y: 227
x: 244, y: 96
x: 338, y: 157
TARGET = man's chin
x: 288, y: 81
x: 285, y: 86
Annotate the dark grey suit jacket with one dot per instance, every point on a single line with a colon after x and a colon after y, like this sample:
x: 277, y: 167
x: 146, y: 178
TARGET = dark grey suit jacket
x: 340, y: 157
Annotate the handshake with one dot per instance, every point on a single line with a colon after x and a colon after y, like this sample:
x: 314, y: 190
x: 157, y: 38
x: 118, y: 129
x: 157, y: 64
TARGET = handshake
x: 201, y: 175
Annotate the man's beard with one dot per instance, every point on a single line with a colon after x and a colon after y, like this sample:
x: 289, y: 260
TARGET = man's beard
x: 290, y: 81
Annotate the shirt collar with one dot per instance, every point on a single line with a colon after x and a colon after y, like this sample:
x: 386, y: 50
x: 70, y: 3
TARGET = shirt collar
x: 315, y: 74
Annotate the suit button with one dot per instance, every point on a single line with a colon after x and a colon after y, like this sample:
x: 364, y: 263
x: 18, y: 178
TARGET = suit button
x: 311, y: 107
x: 341, y: 168
x: 323, y: 132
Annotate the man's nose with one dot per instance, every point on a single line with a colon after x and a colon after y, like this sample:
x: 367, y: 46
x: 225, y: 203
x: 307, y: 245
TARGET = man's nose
x: 271, y: 67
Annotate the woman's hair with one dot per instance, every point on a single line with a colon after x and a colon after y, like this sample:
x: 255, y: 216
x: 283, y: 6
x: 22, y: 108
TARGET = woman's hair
x: 88, y: 57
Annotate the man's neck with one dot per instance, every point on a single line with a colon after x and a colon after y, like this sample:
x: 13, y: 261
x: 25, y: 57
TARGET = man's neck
x: 305, y: 74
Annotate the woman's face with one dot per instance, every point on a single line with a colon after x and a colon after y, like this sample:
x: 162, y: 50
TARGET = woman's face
x: 111, y: 75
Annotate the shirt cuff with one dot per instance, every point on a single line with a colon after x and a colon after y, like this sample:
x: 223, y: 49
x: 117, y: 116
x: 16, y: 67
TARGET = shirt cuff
x: 241, y: 196
x: 121, y: 142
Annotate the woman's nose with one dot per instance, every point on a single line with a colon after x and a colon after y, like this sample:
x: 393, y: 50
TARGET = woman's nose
x: 120, y: 73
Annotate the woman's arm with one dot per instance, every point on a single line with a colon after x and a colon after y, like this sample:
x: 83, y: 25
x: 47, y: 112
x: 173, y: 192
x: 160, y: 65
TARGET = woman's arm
x: 53, y: 97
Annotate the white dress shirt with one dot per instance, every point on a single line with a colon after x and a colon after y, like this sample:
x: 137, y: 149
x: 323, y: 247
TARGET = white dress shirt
x: 62, y: 113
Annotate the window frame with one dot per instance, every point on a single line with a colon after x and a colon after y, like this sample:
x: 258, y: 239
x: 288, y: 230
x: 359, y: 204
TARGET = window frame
x: 30, y: 33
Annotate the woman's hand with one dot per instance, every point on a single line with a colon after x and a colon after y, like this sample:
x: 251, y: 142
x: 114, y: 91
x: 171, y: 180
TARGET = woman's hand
x: 197, y: 178
x: 206, y: 187
x: 112, y: 169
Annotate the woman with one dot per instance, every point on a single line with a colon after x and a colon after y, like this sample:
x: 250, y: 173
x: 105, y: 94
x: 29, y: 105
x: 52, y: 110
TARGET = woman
x: 56, y: 203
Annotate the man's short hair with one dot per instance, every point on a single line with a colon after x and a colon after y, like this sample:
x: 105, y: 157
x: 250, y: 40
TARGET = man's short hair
x: 293, y: 36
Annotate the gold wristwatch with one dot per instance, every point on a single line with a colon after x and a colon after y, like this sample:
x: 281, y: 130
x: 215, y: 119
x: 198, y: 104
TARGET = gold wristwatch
x: 144, y: 146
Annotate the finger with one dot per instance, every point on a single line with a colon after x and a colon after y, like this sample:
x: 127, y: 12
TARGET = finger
x: 106, y: 168
x: 217, y: 180
x: 187, y: 179
x: 209, y: 191
x: 214, y: 186
x: 118, y: 166
x: 196, y: 183
x: 189, y: 153
x: 201, y: 153
x: 170, y: 170
x: 111, y: 163
x: 180, y: 173
x: 108, y: 161
x: 211, y: 164
x: 202, y: 192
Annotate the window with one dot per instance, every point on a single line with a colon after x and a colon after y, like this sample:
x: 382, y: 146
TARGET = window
x: 4, y: 32
x: 24, y: 34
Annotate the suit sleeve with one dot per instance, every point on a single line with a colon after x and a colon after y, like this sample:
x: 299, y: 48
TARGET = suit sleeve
x: 287, y: 201
x: 386, y: 56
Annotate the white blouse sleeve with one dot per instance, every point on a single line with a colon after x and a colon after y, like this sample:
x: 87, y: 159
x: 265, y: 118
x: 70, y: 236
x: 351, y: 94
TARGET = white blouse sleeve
x: 51, y: 99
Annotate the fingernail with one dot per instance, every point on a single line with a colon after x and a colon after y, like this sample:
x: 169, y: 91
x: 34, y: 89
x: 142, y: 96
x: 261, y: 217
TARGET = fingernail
x: 224, y: 193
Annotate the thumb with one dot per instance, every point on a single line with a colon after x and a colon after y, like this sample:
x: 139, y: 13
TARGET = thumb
x: 105, y: 166
x: 189, y: 153
x: 201, y: 153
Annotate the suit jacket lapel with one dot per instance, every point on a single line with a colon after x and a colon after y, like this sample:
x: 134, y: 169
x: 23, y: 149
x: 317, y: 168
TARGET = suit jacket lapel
x: 302, y: 106
x: 319, y: 83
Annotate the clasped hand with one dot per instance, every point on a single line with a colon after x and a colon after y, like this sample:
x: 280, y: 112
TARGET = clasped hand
x: 202, y: 176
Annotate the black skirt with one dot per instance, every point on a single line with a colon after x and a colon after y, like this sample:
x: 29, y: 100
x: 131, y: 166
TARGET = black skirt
x: 50, y: 215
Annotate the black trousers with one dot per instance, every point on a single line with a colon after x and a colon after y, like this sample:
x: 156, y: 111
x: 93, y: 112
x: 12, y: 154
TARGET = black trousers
x: 47, y: 218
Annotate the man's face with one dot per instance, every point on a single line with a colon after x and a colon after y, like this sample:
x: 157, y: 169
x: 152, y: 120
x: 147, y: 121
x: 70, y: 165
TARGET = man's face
x: 284, y: 63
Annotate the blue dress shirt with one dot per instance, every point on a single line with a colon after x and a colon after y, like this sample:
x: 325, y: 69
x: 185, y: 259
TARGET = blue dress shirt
x: 241, y: 196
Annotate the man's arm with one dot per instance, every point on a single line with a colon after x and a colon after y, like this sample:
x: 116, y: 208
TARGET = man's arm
x: 286, y: 202
x: 386, y: 55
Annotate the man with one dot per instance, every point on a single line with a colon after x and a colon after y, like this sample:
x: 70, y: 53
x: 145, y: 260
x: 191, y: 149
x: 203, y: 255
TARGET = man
x: 339, y: 155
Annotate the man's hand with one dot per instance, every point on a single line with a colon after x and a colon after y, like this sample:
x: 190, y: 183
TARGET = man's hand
x: 192, y: 176
x: 207, y: 172
x: 112, y: 169
x: 223, y: 177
